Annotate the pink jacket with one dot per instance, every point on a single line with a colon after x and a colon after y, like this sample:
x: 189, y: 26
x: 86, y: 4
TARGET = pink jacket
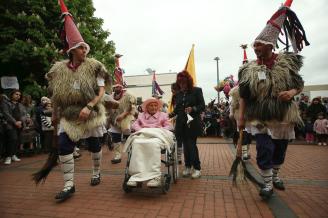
x: 158, y: 120
x: 321, y: 126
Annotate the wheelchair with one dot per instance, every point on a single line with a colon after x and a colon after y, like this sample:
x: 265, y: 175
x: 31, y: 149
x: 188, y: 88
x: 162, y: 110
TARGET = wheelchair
x: 170, y: 175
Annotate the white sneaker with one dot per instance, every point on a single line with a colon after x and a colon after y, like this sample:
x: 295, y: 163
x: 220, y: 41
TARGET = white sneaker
x: 186, y: 172
x: 319, y: 143
x: 324, y: 143
x: 15, y: 158
x: 196, y: 174
x: 132, y: 183
x: 7, y: 160
x: 155, y: 182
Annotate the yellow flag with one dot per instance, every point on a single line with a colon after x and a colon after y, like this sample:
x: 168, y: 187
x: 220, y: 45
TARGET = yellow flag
x: 171, y: 108
x: 190, y: 65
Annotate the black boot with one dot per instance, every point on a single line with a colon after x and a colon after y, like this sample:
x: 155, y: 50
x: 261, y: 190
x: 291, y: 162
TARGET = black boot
x: 116, y: 161
x: 279, y: 185
x: 65, y: 194
x: 266, y: 193
x: 95, y: 180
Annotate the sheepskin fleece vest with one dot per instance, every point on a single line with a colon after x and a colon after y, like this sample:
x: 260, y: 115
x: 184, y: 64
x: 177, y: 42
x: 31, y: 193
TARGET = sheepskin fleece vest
x: 125, y: 102
x: 73, y: 90
x: 261, y: 95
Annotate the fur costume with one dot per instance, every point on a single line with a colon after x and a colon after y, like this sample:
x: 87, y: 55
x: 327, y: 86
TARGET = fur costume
x: 73, y: 90
x: 124, y: 104
x: 261, y: 96
x: 234, y: 104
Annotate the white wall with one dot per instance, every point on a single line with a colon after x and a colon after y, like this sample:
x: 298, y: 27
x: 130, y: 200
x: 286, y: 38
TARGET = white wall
x: 141, y: 85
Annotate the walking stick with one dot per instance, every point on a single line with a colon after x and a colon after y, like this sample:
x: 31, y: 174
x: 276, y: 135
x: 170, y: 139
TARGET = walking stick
x: 51, y: 162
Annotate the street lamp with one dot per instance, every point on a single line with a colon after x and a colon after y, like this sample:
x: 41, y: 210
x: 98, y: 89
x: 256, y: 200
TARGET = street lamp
x: 217, y: 74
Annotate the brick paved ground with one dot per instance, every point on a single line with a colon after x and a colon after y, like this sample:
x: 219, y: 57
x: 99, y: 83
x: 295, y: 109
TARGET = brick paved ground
x: 305, y: 174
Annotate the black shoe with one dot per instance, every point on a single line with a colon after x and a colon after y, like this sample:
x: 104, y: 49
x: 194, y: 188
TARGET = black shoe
x: 279, y: 185
x: 116, y: 161
x: 65, y: 194
x: 95, y: 180
x: 247, y: 157
x: 265, y: 193
x: 77, y: 156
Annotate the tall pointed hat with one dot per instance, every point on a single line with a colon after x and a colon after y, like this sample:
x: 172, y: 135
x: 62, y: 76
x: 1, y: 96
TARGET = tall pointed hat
x: 284, y: 20
x: 70, y: 34
x: 245, y: 59
x: 118, y: 72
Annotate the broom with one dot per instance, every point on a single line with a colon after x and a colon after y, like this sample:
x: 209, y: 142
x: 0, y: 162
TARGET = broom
x: 238, y: 167
x: 51, y: 162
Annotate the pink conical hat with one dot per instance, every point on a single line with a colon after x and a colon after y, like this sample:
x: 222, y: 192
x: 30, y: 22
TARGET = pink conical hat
x: 70, y: 35
x: 118, y: 72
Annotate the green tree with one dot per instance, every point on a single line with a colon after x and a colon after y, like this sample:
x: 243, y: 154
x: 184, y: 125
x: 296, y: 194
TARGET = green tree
x: 29, y: 37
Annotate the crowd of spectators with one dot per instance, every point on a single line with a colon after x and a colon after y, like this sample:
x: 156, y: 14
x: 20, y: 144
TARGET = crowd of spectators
x: 25, y: 126
x: 314, y: 115
x: 215, y: 120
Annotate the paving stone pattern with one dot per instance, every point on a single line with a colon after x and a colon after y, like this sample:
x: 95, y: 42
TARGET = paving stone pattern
x: 305, y: 174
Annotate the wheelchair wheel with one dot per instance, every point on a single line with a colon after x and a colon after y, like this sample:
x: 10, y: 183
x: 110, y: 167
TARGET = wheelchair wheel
x: 125, y: 187
x: 174, y: 170
x: 166, y: 182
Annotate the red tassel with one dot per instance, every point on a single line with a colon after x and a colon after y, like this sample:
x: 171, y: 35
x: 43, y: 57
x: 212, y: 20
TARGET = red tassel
x: 288, y: 3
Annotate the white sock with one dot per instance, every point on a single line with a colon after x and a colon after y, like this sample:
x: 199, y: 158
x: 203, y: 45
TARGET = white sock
x: 267, y: 177
x: 117, y: 150
x: 244, y: 150
x: 275, y: 173
x: 96, y: 160
x: 67, y: 167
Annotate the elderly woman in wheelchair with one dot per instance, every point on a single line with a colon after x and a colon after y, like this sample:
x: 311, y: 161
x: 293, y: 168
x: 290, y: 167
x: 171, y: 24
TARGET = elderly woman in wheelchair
x: 152, y: 135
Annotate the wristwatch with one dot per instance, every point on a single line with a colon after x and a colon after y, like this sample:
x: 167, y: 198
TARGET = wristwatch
x: 90, y: 107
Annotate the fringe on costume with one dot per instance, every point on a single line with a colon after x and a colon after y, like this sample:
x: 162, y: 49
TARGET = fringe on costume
x: 77, y: 129
x: 294, y: 31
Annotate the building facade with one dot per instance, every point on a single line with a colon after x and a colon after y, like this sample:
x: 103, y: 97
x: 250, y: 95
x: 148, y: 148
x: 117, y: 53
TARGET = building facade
x: 141, y: 85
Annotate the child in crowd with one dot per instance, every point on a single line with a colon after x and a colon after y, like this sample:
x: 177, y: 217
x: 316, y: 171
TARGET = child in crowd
x: 321, y: 128
x: 309, y: 131
x: 47, y: 127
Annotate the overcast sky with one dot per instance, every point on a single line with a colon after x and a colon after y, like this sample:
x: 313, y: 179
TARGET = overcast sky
x: 159, y: 35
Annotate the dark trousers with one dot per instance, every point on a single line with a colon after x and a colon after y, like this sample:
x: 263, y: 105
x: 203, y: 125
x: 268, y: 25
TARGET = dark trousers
x: 48, y: 137
x: 179, y: 143
x: 270, y: 151
x: 11, y: 142
x: 321, y: 138
x: 117, y: 137
x: 66, y: 145
x: 190, y: 151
